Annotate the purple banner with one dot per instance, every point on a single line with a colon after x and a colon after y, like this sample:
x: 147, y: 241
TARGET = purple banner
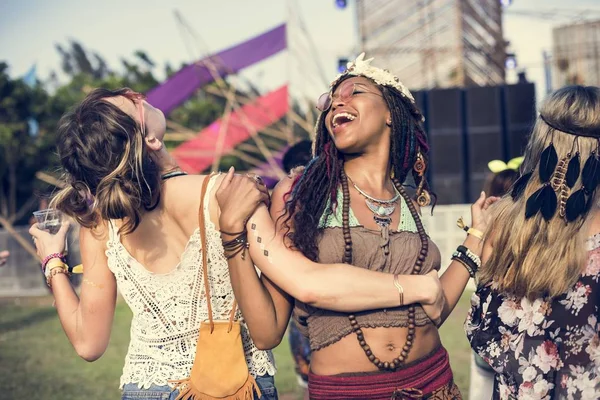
x: 179, y: 87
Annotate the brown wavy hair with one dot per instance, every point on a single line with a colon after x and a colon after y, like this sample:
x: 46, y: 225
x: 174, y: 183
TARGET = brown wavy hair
x: 534, y: 257
x: 109, y: 172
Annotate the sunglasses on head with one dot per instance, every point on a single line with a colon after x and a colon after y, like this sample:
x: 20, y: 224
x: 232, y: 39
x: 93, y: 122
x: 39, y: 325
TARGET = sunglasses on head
x: 345, y: 91
x: 138, y: 100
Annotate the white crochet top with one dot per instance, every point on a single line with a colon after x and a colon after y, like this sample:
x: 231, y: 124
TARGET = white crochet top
x: 168, y: 308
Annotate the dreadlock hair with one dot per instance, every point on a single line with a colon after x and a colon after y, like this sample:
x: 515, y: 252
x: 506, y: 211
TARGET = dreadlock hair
x: 108, y: 170
x: 322, y: 177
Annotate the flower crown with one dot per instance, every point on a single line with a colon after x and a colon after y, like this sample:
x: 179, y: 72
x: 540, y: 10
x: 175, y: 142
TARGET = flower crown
x: 383, y: 77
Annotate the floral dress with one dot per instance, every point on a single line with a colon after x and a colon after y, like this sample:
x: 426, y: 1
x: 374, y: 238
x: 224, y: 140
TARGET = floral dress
x: 542, y: 349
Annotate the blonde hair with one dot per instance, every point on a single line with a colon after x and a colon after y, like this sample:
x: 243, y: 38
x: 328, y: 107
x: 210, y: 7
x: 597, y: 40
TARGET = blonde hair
x: 108, y: 171
x: 534, y: 257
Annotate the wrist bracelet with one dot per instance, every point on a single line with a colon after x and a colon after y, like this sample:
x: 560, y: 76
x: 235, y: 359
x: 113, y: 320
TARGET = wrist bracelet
x: 56, y: 271
x: 466, y: 262
x: 50, y: 257
x: 466, y: 257
x: 54, y: 263
x: 470, y: 231
x: 400, y: 289
x: 474, y: 257
x: 475, y: 232
x: 236, y: 245
x: 466, y: 265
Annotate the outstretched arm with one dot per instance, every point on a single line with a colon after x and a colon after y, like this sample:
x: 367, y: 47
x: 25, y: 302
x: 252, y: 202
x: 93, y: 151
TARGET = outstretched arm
x: 338, y: 287
x: 87, y: 319
x: 455, y: 278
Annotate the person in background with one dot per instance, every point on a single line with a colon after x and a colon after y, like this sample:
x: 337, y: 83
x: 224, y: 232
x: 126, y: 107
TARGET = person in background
x: 504, y: 174
x: 298, y: 156
x: 535, y: 317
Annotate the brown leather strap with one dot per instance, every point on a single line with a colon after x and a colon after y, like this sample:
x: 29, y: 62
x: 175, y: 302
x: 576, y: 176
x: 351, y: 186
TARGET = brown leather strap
x: 202, y: 228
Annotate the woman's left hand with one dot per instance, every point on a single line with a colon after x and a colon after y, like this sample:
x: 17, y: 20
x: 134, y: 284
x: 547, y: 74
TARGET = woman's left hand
x: 481, y: 213
x: 47, y: 243
x: 238, y: 197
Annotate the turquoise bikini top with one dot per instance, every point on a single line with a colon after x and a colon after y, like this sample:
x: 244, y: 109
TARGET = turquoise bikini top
x: 331, y: 219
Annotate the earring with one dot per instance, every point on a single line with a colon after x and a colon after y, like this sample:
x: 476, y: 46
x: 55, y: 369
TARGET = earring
x: 388, y: 122
x: 423, y: 197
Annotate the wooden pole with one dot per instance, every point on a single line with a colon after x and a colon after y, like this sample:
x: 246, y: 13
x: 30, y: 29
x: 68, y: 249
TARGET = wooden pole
x: 30, y: 248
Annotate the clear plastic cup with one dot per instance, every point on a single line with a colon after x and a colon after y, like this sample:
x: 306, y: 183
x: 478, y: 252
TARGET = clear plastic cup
x: 50, y: 220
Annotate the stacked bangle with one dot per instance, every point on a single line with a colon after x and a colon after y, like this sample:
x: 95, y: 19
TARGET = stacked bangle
x: 236, y: 245
x: 52, y: 256
x: 468, y: 259
x: 55, y: 266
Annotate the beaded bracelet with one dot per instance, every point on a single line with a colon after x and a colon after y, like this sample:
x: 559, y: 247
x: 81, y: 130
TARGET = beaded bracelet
x: 470, y: 254
x: 50, y: 257
x: 56, y: 271
x: 464, y: 263
x: 467, y: 258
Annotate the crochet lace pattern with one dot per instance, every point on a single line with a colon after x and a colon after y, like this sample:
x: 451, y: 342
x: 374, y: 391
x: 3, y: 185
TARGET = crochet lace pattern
x: 168, y: 308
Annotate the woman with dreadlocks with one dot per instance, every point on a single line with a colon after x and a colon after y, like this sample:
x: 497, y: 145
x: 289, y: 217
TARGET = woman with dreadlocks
x: 535, y: 316
x: 348, y: 205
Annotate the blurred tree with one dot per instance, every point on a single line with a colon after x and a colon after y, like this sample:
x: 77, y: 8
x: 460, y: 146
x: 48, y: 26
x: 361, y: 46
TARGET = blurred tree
x: 22, y: 154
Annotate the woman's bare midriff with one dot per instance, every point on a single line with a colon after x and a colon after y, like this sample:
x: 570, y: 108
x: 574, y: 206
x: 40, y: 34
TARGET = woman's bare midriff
x: 386, y: 344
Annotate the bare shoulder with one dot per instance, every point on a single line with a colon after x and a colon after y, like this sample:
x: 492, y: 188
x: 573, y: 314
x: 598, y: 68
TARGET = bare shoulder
x: 183, y: 193
x: 94, y: 237
x: 93, y: 243
x: 285, y: 185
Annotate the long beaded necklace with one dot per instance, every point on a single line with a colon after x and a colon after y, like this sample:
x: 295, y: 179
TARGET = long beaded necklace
x: 400, y: 360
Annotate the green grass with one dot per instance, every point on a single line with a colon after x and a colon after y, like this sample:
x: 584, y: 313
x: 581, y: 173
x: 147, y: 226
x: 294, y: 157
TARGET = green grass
x: 455, y: 341
x: 37, y: 361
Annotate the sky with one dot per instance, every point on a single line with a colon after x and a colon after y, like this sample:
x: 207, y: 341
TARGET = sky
x: 30, y: 29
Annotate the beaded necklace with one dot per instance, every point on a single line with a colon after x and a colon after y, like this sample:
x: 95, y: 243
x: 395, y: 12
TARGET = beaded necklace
x: 400, y: 360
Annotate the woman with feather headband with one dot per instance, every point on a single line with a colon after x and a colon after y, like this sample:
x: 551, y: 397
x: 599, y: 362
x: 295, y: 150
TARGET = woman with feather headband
x: 349, y: 205
x: 535, y: 315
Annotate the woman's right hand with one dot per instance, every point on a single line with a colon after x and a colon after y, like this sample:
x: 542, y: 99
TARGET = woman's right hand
x: 437, y: 300
x: 238, y: 197
x: 481, y: 212
x: 47, y: 243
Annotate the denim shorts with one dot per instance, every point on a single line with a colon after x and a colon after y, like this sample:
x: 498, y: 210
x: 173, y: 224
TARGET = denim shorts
x: 132, y: 391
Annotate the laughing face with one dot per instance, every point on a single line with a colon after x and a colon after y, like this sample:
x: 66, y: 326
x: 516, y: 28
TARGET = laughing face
x: 357, y: 115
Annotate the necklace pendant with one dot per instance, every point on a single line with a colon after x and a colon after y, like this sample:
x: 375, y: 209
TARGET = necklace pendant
x: 381, y: 210
x: 382, y: 221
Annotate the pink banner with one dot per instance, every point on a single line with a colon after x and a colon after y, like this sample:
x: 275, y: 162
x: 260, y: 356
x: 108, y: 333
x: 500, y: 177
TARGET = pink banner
x: 197, y: 154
